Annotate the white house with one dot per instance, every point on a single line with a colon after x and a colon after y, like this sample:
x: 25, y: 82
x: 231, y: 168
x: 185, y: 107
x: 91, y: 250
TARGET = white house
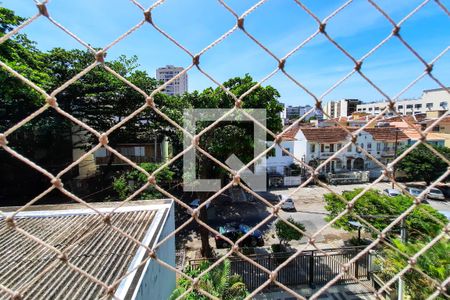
x: 315, y: 145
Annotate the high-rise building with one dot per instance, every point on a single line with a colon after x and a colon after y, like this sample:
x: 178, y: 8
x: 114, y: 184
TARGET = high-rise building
x: 341, y: 108
x: 179, y: 86
x: 294, y: 112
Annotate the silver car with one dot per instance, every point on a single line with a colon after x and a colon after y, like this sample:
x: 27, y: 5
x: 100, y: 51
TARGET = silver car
x: 288, y: 203
x: 436, y: 194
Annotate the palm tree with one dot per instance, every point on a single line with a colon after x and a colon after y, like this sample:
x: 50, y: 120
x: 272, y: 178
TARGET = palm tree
x: 218, y: 282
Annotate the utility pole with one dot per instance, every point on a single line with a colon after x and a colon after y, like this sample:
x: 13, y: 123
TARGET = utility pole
x: 395, y: 155
x: 404, y: 240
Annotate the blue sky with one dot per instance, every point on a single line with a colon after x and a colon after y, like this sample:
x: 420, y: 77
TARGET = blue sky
x: 279, y: 24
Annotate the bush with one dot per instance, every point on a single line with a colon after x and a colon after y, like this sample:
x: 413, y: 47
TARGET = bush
x: 277, y: 248
x: 286, y: 233
x: 219, y: 282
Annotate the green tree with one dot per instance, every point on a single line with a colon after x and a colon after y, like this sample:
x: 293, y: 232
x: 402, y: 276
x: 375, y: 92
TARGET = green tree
x: 219, y: 282
x: 286, y: 233
x: 380, y: 210
x: 422, y: 164
x: 435, y: 262
x: 228, y: 138
x: 130, y: 181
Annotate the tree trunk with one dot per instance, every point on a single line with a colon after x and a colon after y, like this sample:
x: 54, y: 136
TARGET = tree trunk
x: 206, y: 250
x: 205, y: 172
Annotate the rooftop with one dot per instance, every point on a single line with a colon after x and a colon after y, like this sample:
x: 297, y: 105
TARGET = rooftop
x: 388, y: 134
x: 325, y: 134
x: 90, y: 244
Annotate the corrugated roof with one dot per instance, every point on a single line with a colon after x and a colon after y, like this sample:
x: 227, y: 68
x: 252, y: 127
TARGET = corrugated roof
x: 105, y: 253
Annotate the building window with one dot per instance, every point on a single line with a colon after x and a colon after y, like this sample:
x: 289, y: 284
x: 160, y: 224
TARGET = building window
x: 322, y: 147
x: 339, y: 146
x: 409, y: 106
x: 378, y: 147
x: 369, y: 146
x: 418, y: 106
x: 349, y: 149
x: 271, y: 153
x: 436, y: 128
x: 139, y: 151
x: 331, y: 147
x: 288, y: 150
x: 429, y: 105
x: 100, y: 152
x: 400, y: 107
x: 360, y: 146
x: 370, y: 108
x: 313, y: 148
x: 443, y: 104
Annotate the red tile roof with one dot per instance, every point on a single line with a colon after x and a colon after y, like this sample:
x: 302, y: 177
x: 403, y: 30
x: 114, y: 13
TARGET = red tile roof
x: 386, y: 134
x: 326, y: 134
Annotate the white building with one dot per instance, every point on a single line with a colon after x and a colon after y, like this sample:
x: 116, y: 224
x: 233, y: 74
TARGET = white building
x: 179, y: 86
x: 315, y: 145
x: 436, y: 99
x: 341, y: 108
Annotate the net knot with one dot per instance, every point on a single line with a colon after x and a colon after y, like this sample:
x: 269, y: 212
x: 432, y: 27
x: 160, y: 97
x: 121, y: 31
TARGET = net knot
x: 152, y: 179
x: 240, y: 23
x: 150, y: 102
x: 43, y: 9
x: 51, y: 101
x: 196, y: 60
x: 103, y: 139
x: 148, y: 16
x: 3, y: 141
x: 57, y: 182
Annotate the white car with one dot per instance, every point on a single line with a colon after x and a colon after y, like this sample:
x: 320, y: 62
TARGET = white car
x: 435, y: 194
x: 392, y: 192
x: 288, y: 203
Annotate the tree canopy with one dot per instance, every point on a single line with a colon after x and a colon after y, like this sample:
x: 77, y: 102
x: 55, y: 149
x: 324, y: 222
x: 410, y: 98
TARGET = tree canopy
x: 422, y: 164
x: 286, y: 233
x: 380, y: 210
x: 435, y: 263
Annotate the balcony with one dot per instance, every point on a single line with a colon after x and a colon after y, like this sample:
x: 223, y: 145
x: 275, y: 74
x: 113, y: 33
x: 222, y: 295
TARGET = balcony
x: 326, y: 154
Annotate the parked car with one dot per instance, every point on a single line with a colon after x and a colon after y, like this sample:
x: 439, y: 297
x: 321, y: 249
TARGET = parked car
x: 391, y: 192
x: 436, y: 194
x: 414, y: 191
x: 234, y: 232
x: 196, y: 203
x: 288, y: 203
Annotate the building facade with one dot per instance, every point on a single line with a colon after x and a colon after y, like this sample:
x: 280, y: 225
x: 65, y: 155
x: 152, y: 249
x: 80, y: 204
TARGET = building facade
x: 295, y: 112
x: 341, y: 108
x: 179, y: 86
x: 313, y: 146
x: 431, y: 100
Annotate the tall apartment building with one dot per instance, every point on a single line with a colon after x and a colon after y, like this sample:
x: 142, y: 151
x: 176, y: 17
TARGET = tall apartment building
x: 179, y: 86
x: 341, y: 108
x: 435, y: 99
x: 294, y: 112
